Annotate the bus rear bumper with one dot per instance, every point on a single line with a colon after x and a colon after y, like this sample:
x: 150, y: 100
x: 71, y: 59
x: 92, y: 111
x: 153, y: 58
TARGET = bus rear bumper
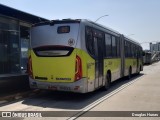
x: 79, y: 86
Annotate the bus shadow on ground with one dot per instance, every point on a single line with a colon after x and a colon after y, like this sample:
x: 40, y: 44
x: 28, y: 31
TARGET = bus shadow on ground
x: 53, y: 100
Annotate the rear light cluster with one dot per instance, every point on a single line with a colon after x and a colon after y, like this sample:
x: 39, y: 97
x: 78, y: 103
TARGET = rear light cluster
x: 78, y: 68
x: 30, y: 71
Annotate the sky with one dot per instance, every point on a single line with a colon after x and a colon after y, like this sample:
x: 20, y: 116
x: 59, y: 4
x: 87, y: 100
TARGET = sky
x: 137, y: 19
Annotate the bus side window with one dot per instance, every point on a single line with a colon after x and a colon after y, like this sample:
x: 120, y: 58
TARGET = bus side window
x: 125, y: 48
x: 108, y: 44
x: 139, y: 52
x: 97, y: 35
x: 89, y: 41
x: 129, y: 50
x: 132, y: 50
x: 118, y: 47
x: 114, y: 47
x: 136, y: 55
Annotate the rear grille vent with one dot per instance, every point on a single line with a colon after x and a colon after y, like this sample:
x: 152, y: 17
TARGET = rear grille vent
x: 41, y: 78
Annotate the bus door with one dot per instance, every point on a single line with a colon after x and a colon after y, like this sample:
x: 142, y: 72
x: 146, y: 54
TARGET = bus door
x: 99, y: 54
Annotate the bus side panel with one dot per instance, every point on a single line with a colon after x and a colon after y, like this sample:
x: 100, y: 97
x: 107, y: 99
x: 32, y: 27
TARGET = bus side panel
x: 114, y: 66
x: 134, y: 65
x: 130, y: 62
x: 88, y: 69
x: 127, y: 64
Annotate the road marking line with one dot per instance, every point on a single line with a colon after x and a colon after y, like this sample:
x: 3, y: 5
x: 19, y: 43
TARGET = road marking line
x: 97, y: 102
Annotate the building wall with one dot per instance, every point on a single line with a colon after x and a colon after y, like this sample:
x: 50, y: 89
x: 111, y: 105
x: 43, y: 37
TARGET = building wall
x: 155, y: 47
x: 14, y: 41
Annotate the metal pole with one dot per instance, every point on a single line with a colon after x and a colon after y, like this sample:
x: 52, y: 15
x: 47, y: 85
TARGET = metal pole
x: 101, y: 17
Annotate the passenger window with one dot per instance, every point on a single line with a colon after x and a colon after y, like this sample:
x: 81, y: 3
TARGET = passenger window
x: 90, y: 41
x: 108, y: 44
x: 129, y: 49
x: 134, y: 51
x: 118, y: 47
x: 125, y: 48
x: 114, y: 47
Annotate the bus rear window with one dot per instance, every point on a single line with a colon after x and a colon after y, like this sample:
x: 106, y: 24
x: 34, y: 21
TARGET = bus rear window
x: 53, y: 51
x: 63, y: 29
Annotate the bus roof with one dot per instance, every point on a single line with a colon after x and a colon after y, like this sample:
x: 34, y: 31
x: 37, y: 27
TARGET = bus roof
x: 52, y: 22
x: 131, y: 40
x: 116, y: 32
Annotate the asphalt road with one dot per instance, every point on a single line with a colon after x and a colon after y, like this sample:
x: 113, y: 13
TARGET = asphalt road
x: 141, y: 93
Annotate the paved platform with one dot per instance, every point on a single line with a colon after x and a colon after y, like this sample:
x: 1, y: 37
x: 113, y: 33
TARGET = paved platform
x: 9, y: 84
x: 143, y: 95
x: 139, y: 94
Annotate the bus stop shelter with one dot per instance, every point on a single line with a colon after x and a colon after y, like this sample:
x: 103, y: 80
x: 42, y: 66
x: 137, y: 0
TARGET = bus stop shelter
x: 14, y: 42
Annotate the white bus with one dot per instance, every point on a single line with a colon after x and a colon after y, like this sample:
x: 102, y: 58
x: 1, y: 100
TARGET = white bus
x: 80, y: 56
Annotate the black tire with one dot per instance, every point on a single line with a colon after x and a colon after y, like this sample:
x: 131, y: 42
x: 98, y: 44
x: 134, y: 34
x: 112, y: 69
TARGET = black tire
x: 107, y: 82
x: 140, y: 69
x: 138, y: 73
x: 129, y: 73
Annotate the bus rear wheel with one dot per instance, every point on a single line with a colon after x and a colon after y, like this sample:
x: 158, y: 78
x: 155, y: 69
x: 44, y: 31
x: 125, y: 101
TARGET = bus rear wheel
x: 130, y: 73
x: 107, y: 82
